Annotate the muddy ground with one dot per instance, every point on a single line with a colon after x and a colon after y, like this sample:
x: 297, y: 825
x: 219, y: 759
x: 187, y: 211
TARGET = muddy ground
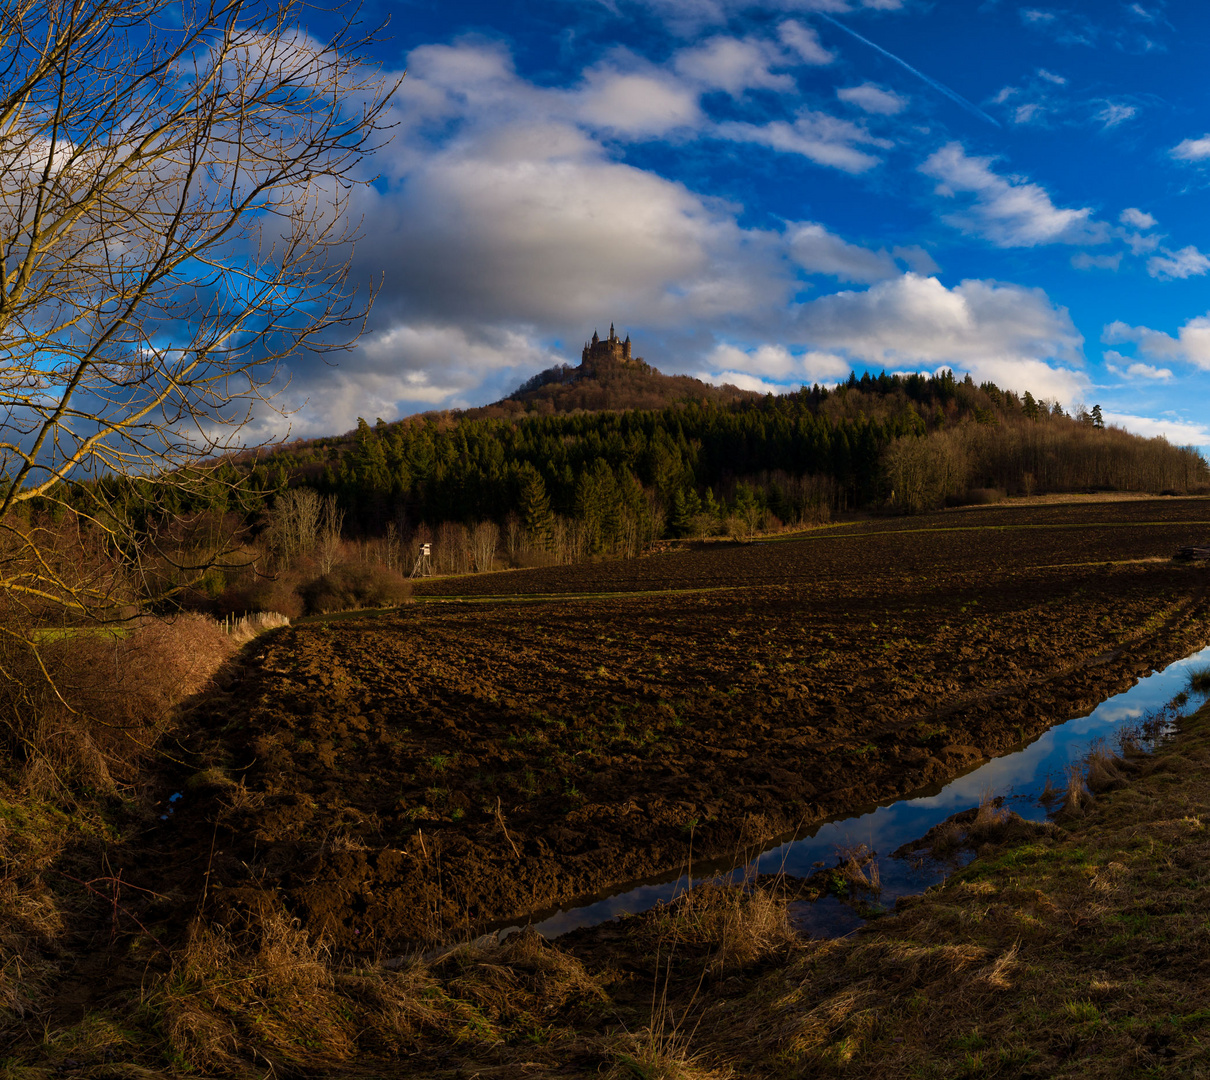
x: 419, y: 775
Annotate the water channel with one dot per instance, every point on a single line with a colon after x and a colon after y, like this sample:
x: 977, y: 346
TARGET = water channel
x: 1019, y: 777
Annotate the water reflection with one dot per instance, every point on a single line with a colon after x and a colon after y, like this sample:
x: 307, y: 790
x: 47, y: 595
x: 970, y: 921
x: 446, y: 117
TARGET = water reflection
x: 1019, y: 777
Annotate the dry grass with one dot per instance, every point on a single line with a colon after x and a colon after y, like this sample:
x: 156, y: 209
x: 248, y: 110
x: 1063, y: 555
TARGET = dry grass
x: 1075, y: 794
x: 654, y: 1054
x: 990, y: 820
x: 86, y: 706
x: 732, y: 925
x: 1199, y: 680
x: 32, y: 837
x: 244, y: 628
x: 857, y: 867
x: 1105, y: 771
x: 267, y: 994
x: 1078, y: 953
x: 523, y: 980
x: 981, y: 830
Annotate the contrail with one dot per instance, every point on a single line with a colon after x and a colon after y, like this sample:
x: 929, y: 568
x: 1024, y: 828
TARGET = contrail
x: 939, y: 87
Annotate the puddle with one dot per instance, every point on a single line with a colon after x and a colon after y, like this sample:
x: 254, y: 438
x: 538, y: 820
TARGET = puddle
x: 1019, y: 777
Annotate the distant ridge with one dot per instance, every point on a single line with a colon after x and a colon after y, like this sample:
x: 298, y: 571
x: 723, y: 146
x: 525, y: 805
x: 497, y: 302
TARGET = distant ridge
x: 608, y: 378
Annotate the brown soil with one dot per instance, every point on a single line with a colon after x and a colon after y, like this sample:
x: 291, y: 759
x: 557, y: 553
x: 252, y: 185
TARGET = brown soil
x: 422, y: 774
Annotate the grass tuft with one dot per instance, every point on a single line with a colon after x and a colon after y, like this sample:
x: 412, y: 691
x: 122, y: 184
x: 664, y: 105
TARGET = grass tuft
x: 1199, y: 680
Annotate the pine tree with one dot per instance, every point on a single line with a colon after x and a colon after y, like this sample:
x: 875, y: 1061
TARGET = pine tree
x: 535, y: 508
x: 681, y: 520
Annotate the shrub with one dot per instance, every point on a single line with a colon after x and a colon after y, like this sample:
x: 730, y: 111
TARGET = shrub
x: 84, y: 704
x: 278, y: 593
x: 350, y: 587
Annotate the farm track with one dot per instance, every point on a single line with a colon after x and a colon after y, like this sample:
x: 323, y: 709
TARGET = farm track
x: 419, y: 775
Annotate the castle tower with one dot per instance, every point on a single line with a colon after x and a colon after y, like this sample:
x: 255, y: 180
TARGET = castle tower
x: 612, y: 348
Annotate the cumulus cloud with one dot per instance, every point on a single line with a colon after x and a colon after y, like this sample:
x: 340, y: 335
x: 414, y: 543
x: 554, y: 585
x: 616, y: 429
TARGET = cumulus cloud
x: 772, y: 366
x: 1008, y: 211
x: 734, y: 65
x: 508, y: 228
x: 745, y: 381
x: 804, y: 41
x: 1012, y: 335
x: 817, y: 136
x: 636, y: 103
x: 1121, y: 365
x: 535, y: 223
x: 1176, y: 431
x: 819, y: 251
x: 1191, y: 344
x: 1188, y: 262
x: 1137, y: 219
x: 1192, y: 149
x: 873, y: 99
x: 917, y: 259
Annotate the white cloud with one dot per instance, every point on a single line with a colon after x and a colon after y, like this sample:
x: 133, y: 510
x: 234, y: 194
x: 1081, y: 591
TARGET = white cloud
x: 1137, y: 219
x: 1012, y: 335
x: 744, y: 381
x: 916, y: 259
x: 819, y: 251
x: 734, y: 65
x: 1067, y: 28
x: 1008, y: 211
x: 1191, y: 344
x: 1115, y: 113
x: 1051, y: 77
x: 773, y: 362
x: 823, y: 139
x: 690, y: 16
x: 1188, y: 262
x: 1027, y: 114
x: 1121, y: 365
x: 504, y: 222
x: 873, y: 99
x: 804, y: 40
x: 1138, y: 243
x: 1147, y: 371
x: 1192, y: 149
x: 1085, y: 261
x: 636, y: 103
x: 533, y: 223
x: 1177, y: 432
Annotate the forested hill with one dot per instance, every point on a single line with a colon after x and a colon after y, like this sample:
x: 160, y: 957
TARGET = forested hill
x: 606, y: 385
x: 618, y: 479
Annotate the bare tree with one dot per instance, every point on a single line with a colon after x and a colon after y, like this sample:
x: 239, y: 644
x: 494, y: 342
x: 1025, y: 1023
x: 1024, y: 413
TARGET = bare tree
x: 331, y: 521
x: 484, y: 538
x: 391, y: 547
x: 514, y: 534
x: 294, y: 525
x: 174, y: 197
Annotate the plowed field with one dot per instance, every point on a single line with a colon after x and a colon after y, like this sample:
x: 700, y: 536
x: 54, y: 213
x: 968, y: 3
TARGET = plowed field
x: 420, y: 774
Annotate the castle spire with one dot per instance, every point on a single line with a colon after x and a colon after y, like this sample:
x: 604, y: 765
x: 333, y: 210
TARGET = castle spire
x: 612, y: 335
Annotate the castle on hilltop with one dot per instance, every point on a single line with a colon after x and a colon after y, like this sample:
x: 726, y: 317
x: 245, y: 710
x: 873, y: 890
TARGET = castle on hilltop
x: 613, y: 348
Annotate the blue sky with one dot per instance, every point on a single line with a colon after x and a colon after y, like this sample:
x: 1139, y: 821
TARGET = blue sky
x: 774, y: 193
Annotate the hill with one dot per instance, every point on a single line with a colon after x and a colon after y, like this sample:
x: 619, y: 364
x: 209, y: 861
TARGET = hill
x: 607, y: 379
